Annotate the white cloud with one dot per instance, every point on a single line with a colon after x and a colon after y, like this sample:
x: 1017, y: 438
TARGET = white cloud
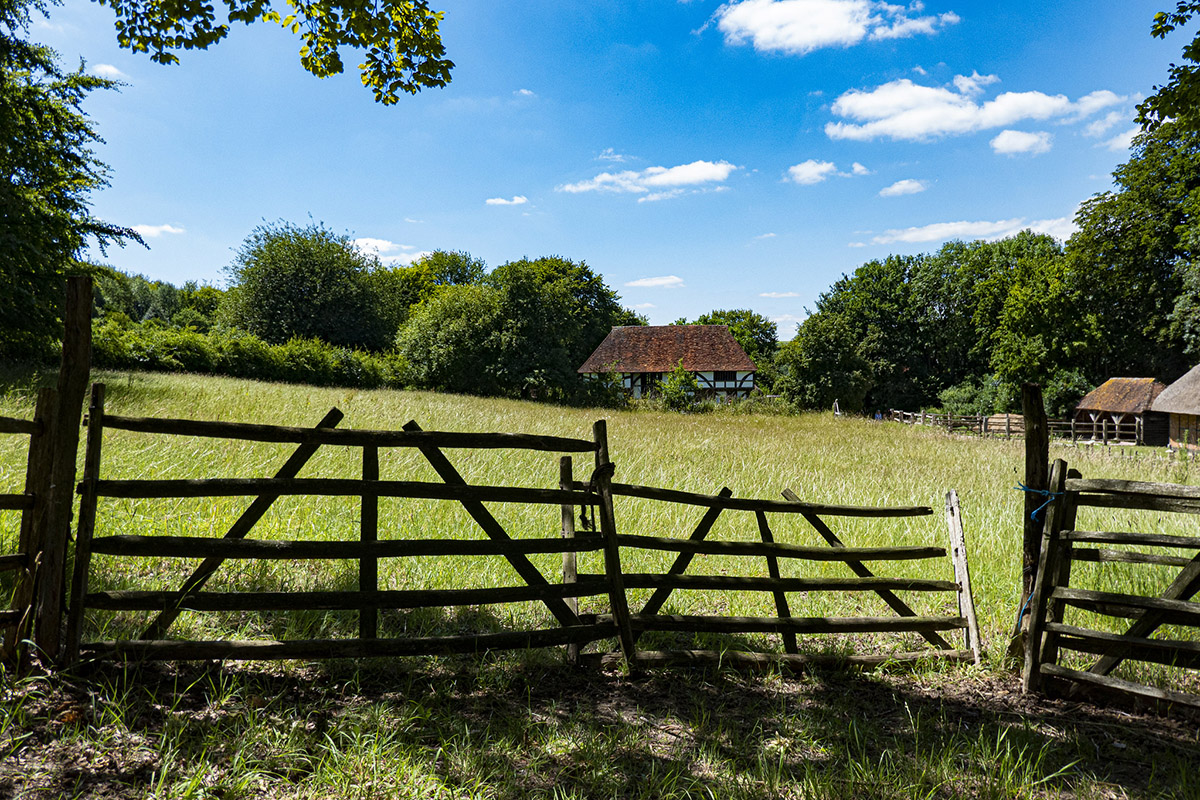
x: 641, y: 306
x: 518, y: 200
x: 387, y: 251
x: 661, y: 282
x: 109, y: 71
x: 155, y: 231
x: 975, y: 83
x: 797, y: 27
x: 1060, y: 228
x: 414, y: 221
x: 378, y: 247
x: 765, y: 236
x: 609, y: 154
x: 524, y: 93
x: 908, y: 111
x: 906, y: 186
x: 1103, y: 125
x: 1010, y: 143
x: 858, y: 169
x: 657, y: 183
x: 1122, y: 141
x: 778, y: 294
x: 812, y: 171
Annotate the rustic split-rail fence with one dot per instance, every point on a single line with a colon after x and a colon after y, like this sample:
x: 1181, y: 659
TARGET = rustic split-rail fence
x: 590, y: 499
x: 1067, y: 639
x: 1103, y: 431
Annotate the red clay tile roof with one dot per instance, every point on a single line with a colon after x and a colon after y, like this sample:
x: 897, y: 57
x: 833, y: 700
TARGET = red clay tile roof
x: 658, y: 348
x: 1122, y: 396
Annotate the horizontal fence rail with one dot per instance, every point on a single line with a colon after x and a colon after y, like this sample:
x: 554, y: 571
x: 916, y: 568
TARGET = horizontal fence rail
x: 1141, y: 617
x: 369, y: 551
x: 591, y: 501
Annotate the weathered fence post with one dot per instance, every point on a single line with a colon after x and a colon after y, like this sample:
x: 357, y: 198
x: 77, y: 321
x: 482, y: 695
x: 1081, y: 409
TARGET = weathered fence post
x: 87, y: 523
x: 962, y: 575
x: 37, y: 483
x: 368, y: 566
x: 1037, y: 465
x: 63, y: 443
x: 612, y: 551
x: 570, y: 571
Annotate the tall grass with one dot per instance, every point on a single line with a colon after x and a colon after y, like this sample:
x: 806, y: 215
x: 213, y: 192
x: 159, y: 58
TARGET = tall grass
x: 822, y: 458
x: 512, y: 726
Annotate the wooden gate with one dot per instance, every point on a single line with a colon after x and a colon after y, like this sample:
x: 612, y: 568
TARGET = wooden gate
x: 1089, y: 636
x: 769, y: 553
x: 368, y: 598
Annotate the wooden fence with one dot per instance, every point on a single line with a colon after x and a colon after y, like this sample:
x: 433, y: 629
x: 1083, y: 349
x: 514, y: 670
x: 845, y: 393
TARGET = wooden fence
x: 16, y: 620
x: 1050, y: 632
x: 368, y: 600
x: 1103, y: 431
x: 592, y: 500
x: 902, y: 619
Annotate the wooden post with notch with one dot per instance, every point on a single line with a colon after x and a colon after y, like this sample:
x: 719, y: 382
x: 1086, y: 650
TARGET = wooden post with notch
x: 55, y: 533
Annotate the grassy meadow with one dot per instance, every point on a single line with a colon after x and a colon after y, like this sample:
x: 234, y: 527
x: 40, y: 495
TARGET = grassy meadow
x: 524, y: 724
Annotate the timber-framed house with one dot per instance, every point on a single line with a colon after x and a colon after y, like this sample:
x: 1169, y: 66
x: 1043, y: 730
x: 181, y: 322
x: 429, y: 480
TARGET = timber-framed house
x: 643, y: 355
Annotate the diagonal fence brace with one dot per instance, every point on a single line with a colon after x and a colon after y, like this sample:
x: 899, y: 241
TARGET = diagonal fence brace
x: 240, y: 528
x: 860, y: 569
x: 494, y: 530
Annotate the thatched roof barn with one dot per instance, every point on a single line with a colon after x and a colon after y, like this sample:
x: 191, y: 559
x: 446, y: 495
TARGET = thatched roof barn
x: 1120, y: 410
x: 643, y: 354
x: 1181, y: 403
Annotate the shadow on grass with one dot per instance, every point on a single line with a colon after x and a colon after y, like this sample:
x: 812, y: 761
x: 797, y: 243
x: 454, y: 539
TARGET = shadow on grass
x: 527, y: 725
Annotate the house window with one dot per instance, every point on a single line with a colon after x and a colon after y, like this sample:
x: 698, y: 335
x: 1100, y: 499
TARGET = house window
x: 724, y: 375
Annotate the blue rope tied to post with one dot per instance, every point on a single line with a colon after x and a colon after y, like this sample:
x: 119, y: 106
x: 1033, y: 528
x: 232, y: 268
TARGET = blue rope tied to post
x: 1046, y: 493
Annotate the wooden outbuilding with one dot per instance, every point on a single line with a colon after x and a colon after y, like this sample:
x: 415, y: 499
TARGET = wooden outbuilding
x: 644, y: 354
x: 1120, y: 410
x: 1180, y: 402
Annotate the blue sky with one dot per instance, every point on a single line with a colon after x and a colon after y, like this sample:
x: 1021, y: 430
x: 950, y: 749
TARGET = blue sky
x: 698, y: 155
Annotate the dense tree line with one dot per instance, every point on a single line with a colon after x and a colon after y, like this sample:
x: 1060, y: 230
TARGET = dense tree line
x: 965, y: 326
x: 444, y: 322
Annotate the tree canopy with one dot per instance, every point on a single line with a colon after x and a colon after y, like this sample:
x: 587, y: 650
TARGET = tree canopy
x: 400, y: 39
x: 1179, y: 98
x: 47, y: 173
x: 288, y: 281
x: 521, y: 332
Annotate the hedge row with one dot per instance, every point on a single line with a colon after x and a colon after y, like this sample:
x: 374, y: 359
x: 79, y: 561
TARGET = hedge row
x: 119, y: 345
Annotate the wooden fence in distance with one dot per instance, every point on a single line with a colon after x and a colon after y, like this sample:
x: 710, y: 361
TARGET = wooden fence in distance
x: 594, y: 498
x: 1053, y: 595
x: 16, y: 621
x: 1103, y: 431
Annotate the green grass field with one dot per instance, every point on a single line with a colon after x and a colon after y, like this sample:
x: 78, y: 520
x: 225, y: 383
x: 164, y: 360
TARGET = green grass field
x: 526, y: 725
